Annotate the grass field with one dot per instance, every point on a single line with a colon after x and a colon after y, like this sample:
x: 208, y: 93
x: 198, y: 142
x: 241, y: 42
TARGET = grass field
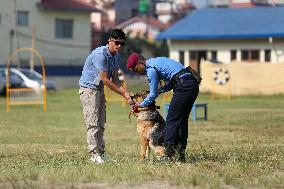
x: 240, y: 146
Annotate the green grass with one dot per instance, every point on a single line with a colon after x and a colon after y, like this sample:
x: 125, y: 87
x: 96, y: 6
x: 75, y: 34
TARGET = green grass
x: 240, y: 146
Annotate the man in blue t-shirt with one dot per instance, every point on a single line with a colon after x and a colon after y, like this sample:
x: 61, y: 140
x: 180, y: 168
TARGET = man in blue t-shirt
x: 185, y: 89
x: 100, y: 68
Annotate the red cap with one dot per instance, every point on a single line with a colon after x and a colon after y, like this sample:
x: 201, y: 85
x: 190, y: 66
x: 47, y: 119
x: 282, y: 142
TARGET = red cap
x: 132, y: 61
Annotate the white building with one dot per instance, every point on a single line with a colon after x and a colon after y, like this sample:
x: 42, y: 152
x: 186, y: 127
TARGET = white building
x: 245, y: 3
x: 227, y: 35
x: 62, y: 31
x: 143, y: 27
x: 165, y: 10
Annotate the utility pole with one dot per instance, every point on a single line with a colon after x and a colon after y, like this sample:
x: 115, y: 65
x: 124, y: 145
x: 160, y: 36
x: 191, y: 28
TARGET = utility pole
x: 33, y: 47
x: 16, y: 32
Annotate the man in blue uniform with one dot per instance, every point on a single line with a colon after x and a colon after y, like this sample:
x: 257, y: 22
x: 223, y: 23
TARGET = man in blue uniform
x: 185, y: 88
x: 101, y: 68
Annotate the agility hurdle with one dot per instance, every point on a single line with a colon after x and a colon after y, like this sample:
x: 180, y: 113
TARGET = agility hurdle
x: 25, y: 96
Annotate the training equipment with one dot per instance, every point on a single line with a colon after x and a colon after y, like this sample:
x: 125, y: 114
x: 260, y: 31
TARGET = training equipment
x: 26, y: 96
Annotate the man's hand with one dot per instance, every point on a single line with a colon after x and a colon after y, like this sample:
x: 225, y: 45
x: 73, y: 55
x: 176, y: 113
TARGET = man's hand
x: 127, y: 96
x: 136, y: 104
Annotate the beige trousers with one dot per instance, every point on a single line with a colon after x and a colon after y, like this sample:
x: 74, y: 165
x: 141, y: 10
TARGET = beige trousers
x: 94, y: 109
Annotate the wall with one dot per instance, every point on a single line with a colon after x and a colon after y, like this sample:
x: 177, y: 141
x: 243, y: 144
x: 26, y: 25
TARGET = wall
x: 241, y: 78
x: 224, y: 46
x: 55, y: 51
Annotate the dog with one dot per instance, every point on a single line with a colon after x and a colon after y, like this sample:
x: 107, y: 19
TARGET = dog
x: 150, y: 126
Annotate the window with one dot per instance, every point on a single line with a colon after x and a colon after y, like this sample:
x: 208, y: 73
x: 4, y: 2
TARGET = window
x: 192, y: 55
x: 267, y: 55
x: 233, y: 55
x: 214, y: 55
x: 64, y: 28
x: 245, y: 54
x: 255, y: 55
x: 15, y: 76
x: 181, y: 57
x: 23, y: 18
x: 250, y: 55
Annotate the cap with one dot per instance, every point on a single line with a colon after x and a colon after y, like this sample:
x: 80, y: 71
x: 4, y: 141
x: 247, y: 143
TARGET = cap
x: 132, y: 61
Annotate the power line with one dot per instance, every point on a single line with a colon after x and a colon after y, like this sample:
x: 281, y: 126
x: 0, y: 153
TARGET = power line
x: 54, y: 43
x: 47, y: 41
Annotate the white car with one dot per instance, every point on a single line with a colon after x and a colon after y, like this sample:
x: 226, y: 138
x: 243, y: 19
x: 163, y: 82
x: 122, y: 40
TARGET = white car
x: 15, y: 81
x: 32, y: 79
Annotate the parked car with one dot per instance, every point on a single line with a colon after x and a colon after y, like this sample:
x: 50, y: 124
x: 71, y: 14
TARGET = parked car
x: 30, y: 78
x: 15, y: 81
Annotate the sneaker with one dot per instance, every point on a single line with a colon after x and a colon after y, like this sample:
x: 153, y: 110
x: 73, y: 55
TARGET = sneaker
x: 97, y: 159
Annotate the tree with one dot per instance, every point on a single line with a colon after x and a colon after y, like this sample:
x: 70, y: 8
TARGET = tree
x: 143, y: 6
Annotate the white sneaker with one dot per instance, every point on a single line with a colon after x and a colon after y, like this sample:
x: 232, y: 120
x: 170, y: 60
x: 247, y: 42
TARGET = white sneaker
x: 97, y: 159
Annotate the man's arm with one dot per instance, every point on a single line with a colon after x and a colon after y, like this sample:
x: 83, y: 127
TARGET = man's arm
x: 153, y: 81
x: 115, y: 79
x: 167, y: 87
x: 115, y: 86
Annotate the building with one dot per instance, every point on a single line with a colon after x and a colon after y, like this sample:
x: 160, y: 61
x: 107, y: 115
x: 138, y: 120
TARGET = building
x: 101, y: 21
x: 164, y: 10
x: 62, y: 32
x: 126, y: 9
x: 246, y: 3
x: 169, y: 11
x: 142, y: 27
x: 227, y: 35
x: 105, y: 19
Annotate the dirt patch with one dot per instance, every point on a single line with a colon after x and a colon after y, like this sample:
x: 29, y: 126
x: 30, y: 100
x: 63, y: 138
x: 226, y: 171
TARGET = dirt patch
x: 33, y: 184
x: 154, y: 185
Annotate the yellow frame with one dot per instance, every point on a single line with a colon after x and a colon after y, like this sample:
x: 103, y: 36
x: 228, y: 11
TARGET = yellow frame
x: 25, y: 89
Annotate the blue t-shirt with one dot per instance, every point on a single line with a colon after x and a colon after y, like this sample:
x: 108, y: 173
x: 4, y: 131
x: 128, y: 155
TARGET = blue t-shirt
x: 160, y: 68
x: 100, y: 60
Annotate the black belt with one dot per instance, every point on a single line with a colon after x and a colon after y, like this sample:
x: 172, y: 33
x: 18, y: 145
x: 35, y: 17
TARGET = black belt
x: 176, y: 78
x: 180, y: 73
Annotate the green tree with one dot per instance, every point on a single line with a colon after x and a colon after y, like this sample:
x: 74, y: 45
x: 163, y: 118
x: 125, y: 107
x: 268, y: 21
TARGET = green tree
x: 143, y: 6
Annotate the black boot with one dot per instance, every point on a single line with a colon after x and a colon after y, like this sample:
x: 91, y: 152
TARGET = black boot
x: 169, y: 153
x: 181, y: 157
x: 169, y: 150
x: 181, y: 153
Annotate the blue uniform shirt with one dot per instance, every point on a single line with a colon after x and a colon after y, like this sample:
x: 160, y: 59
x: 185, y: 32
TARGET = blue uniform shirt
x: 166, y: 69
x: 99, y: 60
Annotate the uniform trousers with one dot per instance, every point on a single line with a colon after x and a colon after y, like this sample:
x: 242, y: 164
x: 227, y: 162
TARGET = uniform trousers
x: 176, y: 131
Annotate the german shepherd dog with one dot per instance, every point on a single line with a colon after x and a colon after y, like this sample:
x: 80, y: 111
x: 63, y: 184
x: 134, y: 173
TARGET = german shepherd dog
x: 150, y: 126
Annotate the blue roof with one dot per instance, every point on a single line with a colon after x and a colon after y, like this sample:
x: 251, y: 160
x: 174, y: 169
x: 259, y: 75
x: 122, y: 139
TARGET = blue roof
x: 228, y: 23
